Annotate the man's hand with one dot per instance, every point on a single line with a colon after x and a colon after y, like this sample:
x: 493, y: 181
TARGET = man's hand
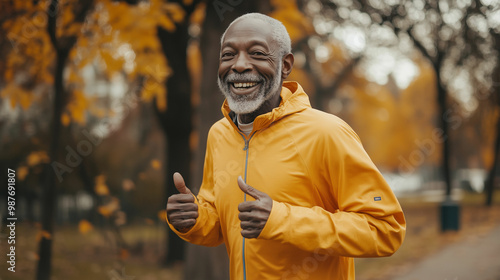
x: 181, y: 209
x: 253, y: 214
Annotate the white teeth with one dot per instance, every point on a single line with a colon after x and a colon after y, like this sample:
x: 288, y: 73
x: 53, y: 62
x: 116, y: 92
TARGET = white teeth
x: 244, y: 85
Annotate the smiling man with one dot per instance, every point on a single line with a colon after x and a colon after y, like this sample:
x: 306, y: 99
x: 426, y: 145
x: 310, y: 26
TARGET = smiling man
x: 288, y: 189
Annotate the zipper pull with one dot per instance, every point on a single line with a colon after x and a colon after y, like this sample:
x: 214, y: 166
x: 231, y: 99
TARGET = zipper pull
x: 246, y: 145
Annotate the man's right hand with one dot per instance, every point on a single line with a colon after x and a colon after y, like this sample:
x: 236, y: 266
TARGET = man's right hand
x: 182, y: 211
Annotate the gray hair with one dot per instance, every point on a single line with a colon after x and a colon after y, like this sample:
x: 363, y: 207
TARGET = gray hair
x: 279, y: 33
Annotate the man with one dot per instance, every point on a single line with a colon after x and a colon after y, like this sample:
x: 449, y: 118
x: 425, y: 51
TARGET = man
x: 288, y: 189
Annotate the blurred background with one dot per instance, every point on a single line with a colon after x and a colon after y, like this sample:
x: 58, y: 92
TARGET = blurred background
x: 101, y: 101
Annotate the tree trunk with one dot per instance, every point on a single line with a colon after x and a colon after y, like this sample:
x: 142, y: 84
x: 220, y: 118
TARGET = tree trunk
x: 62, y: 47
x: 49, y: 193
x: 176, y: 122
x: 205, y: 263
x: 490, y: 182
x: 444, y: 125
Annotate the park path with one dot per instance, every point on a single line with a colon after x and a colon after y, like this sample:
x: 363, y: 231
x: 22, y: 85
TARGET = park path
x: 473, y: 258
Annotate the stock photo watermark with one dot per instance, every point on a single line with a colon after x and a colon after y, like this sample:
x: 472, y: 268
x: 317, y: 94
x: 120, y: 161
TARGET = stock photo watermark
x: 75, y: 155
x: 11, y: 219
x: 308, y: 265
x: 221, y: 7
x: 30, y: 25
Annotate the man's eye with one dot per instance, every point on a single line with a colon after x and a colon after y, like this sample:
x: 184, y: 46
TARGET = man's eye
x: 227, y: 54
x: 258, y: 53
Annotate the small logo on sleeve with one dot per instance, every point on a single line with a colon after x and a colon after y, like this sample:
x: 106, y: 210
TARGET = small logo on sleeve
x: 377, y: 198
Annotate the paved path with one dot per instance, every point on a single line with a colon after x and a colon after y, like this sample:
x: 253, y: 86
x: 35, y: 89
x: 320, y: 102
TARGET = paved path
x: 474, y: 258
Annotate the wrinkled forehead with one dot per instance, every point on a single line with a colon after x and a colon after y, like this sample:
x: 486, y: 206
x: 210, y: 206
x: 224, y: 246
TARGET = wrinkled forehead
x: 249, y: 29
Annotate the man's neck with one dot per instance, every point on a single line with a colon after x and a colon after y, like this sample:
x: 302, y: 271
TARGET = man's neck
x: 266, y: 107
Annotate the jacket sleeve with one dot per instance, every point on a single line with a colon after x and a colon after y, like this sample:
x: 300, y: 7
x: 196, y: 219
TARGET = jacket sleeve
x: 368, y: 220
x: 207, y: 230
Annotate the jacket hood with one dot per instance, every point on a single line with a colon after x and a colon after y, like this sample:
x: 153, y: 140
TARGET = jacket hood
x: 293, y: 100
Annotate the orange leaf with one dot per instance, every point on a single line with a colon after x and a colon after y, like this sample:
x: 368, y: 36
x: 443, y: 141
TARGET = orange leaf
x: 162, y: 215
x: 35, y: 158
x: 65, y: 119
x: 156, y: 164
x: 110, y: 208
x: 22, y: 172
x: 43, y: 234
x: 124, y: 254
x: 167, y: 24
x: 100, y: 185
x: 85, y: 226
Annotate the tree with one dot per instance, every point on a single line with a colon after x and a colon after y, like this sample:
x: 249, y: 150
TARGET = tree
x: 495, y: 92
x: 451, y: 38
x: 80, y: 37
x: 176, y: 121
x: 62, y: 46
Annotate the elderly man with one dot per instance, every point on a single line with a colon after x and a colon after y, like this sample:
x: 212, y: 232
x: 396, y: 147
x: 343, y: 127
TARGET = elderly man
x: 288, y: 189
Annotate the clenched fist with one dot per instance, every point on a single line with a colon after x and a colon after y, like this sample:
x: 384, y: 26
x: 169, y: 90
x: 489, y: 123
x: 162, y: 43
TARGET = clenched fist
x: 182, y: 211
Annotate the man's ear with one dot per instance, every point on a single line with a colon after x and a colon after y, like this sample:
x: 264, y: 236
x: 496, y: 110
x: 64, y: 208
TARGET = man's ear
x: 287, y: 65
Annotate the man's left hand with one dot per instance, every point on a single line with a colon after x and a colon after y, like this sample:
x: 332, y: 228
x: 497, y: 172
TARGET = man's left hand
x: 253, y: 214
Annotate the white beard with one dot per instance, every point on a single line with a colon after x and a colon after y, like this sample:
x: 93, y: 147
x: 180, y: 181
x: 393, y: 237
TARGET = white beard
x: 245, y: 104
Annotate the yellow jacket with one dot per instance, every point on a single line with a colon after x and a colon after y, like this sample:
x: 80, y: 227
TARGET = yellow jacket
x: 330, y: 203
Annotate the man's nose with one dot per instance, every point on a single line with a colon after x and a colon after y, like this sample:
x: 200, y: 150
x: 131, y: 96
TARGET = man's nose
x: 241, y: 64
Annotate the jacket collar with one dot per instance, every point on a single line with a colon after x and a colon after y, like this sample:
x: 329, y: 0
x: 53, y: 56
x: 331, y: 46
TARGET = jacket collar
x: 293, y: 100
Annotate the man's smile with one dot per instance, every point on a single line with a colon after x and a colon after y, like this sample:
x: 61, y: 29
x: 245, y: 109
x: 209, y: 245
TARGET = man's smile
x: 244, y: 85
x: 243, y: 88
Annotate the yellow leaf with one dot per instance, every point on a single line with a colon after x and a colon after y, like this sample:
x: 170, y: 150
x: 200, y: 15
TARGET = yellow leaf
x: 106, y: 212
x: 297, y: 24
x: 112, y: 64
x: 34, y: 158
x: 110, y: 208
x: 25, y: 100
x: 198, y: 16
x: 65, y: 119
x: 156, y: 164
x: 161, y: 100
x: 85, y: 226
x: 166, y: 23
x: 22, y: 172
x: 175, y: 11
x: 100, y: 187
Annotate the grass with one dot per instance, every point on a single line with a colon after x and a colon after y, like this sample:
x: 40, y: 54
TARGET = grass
x: 95, y: 255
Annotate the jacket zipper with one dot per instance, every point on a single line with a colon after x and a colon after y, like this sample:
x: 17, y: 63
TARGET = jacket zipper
x: 246, y: 148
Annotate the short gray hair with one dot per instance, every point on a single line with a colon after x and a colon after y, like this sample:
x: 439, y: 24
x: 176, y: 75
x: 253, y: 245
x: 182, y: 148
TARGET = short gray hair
x: 279, y: 33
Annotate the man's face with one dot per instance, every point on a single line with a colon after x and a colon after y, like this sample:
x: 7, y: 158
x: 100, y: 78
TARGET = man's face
x: 249, y: 66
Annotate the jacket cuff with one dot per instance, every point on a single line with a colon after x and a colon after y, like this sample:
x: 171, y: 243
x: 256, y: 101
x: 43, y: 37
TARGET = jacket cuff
x: 276, y: 224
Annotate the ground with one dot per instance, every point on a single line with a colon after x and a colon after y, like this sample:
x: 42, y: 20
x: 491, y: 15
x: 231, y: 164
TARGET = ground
x: 95, y: 256
x: 425, y: 241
